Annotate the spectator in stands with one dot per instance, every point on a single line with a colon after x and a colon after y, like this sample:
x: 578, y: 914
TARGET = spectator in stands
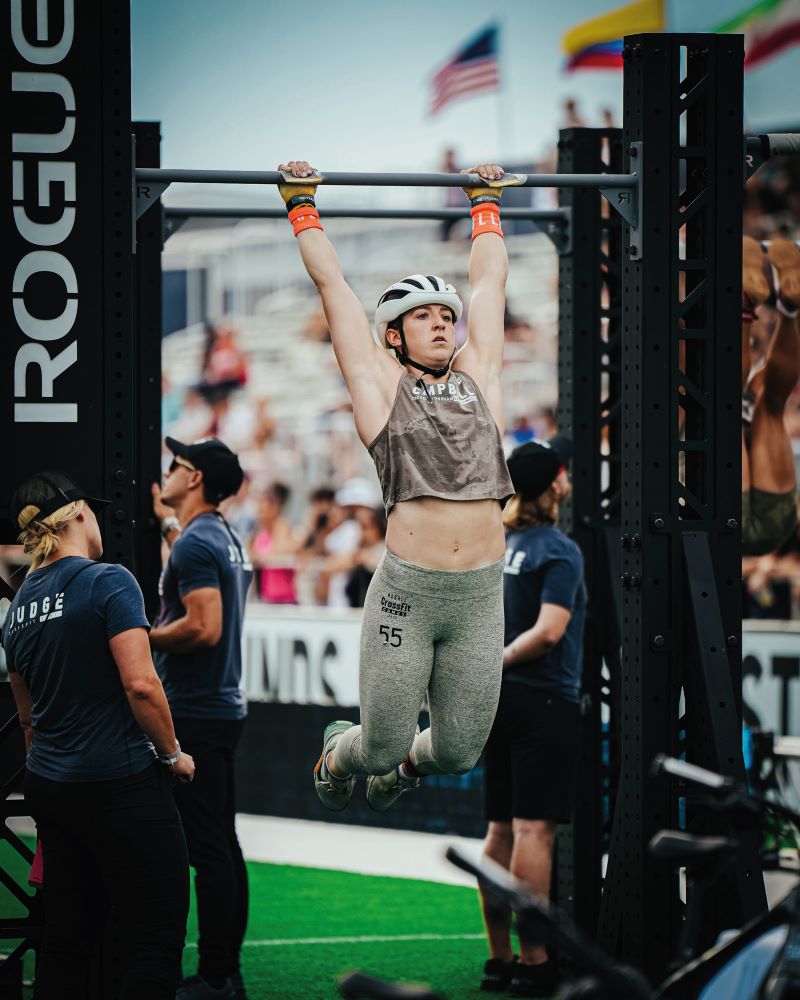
x: 273, y: 548
x: 517, y: 328
x: 521, y: 430
x: 265, y: 424
x: 572, y: 116
x: 92, y: 709
x: 368, y: 556
x: 532, y: 752
x: 241, y: 510
x: 224, y: 365
x: 198, y: 643
x: 769, y: 510
x: 194, y: 416
x: 344, y: 541
x: 322, y: 517
x: 452, y: 197
x: 545, y: 423
x: 607, y: 118
x: 233, y: 418
x: 320, y: 500
x: 172, y: 401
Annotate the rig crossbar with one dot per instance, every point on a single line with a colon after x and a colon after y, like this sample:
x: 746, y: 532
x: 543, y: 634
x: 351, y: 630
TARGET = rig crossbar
x: 155, y: 175
x: 438, y: 214
x: 555, y: 223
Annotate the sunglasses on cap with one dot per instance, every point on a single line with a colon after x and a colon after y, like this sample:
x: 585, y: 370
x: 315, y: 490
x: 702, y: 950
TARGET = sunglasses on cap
x: 177, y: 463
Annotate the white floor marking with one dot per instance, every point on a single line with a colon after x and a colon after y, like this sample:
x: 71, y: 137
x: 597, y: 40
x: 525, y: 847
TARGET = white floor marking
x: 364, y: 939
x: 365, y: 850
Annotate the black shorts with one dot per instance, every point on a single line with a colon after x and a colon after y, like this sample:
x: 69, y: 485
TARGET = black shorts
x: 531, y: 757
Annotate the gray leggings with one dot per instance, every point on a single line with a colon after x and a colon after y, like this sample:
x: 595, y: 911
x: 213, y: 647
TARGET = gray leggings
x: 435, y: 630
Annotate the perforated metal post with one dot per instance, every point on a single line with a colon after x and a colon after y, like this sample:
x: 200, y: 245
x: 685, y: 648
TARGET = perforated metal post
x: 148, y: 320
x: 115, y: 331
x: 681, y: 469
x: 67, y: 388
x: 24, y: 927
x: 589, y: 411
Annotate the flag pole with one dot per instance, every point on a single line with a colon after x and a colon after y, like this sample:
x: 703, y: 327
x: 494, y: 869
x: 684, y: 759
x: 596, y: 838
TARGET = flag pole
x: 503, y: 115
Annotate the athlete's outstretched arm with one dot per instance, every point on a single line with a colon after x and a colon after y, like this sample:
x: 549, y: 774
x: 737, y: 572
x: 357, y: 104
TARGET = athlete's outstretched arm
x: 356, y: 351
x: 488, y: 271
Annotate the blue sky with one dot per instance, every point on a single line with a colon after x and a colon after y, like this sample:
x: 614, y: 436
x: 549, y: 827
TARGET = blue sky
x: 244, y: 83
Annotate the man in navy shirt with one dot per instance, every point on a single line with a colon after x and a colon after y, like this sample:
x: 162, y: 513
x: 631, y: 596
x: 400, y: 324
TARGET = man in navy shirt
x: 531, y: 755
x: 197, y: 642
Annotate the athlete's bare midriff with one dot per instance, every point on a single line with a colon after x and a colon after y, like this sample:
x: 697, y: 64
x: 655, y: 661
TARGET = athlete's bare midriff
x: 446, y: 534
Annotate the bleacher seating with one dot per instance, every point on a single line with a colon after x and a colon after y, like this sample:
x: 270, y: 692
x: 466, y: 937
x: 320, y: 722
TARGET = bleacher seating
x: 257, y: 265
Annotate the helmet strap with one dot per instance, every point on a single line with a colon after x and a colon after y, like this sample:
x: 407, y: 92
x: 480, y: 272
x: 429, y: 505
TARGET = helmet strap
x: 404, y: 359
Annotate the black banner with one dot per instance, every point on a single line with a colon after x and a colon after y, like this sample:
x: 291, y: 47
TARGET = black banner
x: 66, y: 387
x: 274, y: 765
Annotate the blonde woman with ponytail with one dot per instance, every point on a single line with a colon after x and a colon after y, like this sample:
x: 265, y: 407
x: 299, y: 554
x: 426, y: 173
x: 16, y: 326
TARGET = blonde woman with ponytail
x: 40, y: 538
x: 531, y: 754
x: 101, y: 748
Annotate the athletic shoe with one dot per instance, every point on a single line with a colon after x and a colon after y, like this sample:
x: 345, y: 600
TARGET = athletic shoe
x: 785, y: 260
x: 534, y: 980
x: 196, y: 988
x: 497, y: 975
x: 334, y: 793
x: 238, y: 986
x: 383, y: 790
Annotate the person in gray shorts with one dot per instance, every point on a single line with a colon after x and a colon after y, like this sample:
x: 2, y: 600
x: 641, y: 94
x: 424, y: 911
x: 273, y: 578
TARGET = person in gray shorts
x: 431, y: 417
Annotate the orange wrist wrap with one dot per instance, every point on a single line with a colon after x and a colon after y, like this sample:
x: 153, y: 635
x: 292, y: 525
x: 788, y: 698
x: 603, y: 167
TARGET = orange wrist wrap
x: 486, y: 219
x: 304, y: 217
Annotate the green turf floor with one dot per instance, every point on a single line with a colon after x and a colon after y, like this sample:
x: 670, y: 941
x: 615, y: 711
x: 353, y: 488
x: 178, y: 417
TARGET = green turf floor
x: 292, y: 903
x: 289, y: 903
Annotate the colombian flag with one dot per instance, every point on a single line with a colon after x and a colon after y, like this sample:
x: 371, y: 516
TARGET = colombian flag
x: 597, y: 44
x: 769, y: 26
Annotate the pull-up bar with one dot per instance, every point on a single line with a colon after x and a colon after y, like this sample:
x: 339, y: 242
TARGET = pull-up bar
x: 759, y: 148
x: 152, y: 182
x: 441, y: 214
x: 623, y: 191
x: 154, y: 175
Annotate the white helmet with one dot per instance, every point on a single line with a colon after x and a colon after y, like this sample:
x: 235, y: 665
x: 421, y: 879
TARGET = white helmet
x: 416, y: 290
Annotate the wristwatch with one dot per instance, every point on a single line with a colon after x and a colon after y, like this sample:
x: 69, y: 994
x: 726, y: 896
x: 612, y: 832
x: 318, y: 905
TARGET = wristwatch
x: 170, y: 758
x: 169, y: 524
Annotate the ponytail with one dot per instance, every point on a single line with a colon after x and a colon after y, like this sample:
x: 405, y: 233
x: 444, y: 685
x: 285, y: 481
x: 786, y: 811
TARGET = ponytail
x: 525, y: 512
x: 40, y: 539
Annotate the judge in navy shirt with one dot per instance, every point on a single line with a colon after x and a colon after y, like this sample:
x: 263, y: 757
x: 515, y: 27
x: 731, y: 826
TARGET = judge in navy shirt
x: 197, y: 641
x: 532, y: 752
x: 101, y: 746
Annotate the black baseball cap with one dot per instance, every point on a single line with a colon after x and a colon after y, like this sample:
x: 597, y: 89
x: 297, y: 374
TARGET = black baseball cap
x: 47, y: 492
x: 222, y: 473
x: 535, y: 465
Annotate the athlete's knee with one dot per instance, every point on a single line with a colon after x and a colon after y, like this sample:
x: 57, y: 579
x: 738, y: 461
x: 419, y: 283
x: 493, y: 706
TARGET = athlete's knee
x: 382, y: 758
x: 457, y: 760
x: 543, y: 830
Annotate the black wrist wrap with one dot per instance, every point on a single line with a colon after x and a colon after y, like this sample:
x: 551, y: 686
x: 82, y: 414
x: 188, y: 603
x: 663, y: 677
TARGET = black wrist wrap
x: 300, y: 199
x: 483, y: 198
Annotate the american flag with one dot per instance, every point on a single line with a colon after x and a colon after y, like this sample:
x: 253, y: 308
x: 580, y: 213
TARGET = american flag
x: 474, y: 69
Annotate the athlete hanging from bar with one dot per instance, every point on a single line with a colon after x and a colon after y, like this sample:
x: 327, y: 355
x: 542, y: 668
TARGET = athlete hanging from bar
x: 431, y: 417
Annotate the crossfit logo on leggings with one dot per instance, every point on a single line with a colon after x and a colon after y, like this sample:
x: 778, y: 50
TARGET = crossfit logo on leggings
x: 393, y: 604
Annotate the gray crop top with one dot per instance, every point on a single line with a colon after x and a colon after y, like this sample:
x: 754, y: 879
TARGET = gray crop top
x: 440, y: 441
